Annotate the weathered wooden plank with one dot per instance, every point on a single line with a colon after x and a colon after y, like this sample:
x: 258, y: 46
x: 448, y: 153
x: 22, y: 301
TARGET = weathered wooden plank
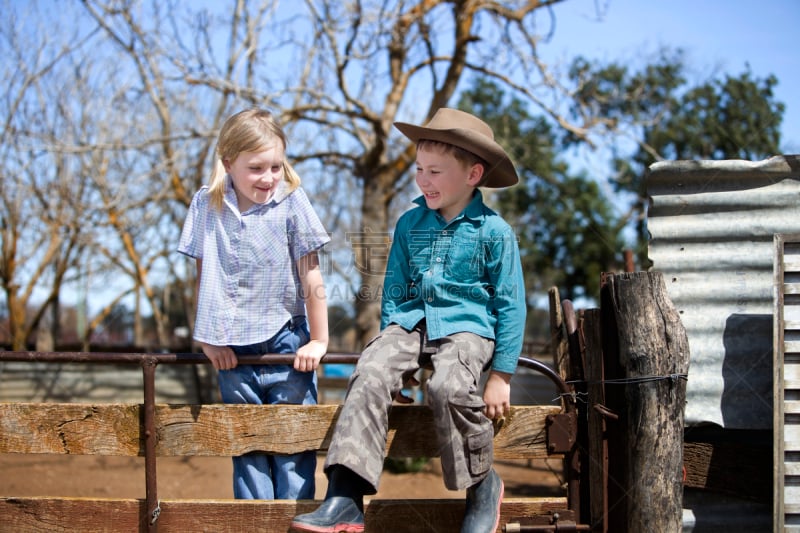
x: 598, y: 446
x: 719, y: 467
x: 227, y: 430
x: 791, y: 436
x: 791, y: 314
x: 791, y: 288
x: 107, y: 429
x: 792, y: 509
x: 786, y: 376
x: 792, y: 372
x: 558, y: 333
x: 107, y: 515
x: 791, y: 347
x: 791, y: 263
x: 34, y: 515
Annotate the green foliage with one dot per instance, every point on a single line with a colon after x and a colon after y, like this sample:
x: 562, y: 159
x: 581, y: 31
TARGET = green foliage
x: 568, y: 234
x: 568, y: 227
x: 735, y: 117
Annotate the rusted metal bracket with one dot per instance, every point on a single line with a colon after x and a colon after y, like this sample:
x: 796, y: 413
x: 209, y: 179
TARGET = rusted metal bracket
x: 149, y: 365
x: 563, y: 520
x: 562, y: 432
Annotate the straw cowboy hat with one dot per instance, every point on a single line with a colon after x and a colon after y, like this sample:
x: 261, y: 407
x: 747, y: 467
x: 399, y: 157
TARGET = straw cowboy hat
x: 469, y: 133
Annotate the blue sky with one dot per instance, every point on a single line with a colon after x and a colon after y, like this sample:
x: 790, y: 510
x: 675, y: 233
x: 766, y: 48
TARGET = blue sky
x: 719, y: 37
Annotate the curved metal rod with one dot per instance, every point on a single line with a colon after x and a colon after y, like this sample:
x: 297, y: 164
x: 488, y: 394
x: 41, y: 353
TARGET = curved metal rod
x: 561, y: 385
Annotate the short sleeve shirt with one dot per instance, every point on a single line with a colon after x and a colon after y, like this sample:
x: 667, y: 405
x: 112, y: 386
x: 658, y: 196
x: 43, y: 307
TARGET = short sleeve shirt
x: 249, y: 285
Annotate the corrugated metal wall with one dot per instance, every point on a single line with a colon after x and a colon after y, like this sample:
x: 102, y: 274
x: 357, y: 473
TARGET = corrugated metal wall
x: 711, y: 227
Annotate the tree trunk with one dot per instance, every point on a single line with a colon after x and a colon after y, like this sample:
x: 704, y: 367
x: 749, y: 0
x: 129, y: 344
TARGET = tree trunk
x: 371, y: 251
x: 16, y: 322
x: 650, y: 360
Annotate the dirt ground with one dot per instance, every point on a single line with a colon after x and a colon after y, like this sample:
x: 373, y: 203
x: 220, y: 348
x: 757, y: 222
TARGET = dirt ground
x: 210, y: 478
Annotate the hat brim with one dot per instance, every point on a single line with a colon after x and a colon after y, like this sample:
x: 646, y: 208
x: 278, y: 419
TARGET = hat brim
x: 500, y: 171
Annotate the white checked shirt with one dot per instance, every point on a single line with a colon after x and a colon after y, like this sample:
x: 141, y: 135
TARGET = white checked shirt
x: 249, y: 287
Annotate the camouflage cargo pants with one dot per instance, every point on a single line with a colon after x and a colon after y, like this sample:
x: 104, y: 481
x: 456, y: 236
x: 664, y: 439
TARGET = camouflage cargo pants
x: 463, y: 432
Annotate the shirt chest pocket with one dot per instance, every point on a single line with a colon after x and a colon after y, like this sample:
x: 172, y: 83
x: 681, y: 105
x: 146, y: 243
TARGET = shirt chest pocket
x: 465, y: 259
x: 267, y: 244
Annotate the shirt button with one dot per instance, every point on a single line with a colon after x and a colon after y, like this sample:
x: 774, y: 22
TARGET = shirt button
x: 430, y: 299
x: 438, y: 259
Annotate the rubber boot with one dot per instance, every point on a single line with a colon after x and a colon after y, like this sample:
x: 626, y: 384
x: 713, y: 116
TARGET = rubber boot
x: 482, y: 514
x: 343, y: 508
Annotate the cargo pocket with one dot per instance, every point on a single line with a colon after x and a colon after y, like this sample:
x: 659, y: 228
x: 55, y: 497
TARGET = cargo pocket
x: 480, y: 452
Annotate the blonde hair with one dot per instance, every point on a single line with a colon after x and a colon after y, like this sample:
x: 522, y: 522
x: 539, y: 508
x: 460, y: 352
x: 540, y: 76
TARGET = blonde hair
x: 251, y: 130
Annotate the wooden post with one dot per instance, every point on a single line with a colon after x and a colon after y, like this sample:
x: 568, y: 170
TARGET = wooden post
x: 597, y: 444
x: 646, y: 387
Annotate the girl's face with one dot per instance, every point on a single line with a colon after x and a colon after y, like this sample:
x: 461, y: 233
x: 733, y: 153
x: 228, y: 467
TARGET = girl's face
x: 255, y: 175
x: 446, y: 183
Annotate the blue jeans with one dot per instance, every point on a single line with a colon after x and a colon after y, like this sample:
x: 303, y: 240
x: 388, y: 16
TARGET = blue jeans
x: 257, y: 475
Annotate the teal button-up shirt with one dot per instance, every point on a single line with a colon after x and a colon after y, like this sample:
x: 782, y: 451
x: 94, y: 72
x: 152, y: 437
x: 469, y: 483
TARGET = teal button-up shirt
x: 461, y: 276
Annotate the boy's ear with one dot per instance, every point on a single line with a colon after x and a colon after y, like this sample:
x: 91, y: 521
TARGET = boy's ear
x: 476, y: 172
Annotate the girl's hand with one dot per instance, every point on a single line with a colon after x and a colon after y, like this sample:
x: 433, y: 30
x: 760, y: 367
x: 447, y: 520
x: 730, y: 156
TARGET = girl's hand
x: 309, y: 355
x: 222, y: 357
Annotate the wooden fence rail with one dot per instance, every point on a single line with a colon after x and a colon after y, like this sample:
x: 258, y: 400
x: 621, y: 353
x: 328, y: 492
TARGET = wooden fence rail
x: 157, y: 430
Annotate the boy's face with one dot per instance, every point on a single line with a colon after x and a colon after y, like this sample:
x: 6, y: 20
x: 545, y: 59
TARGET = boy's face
x: 255, y: 175
x: 446, y: 183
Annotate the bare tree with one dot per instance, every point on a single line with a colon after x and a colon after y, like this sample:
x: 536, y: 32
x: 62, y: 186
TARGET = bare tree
x: 353, y: 68
x: 156, y: 79
x: 42, y: 221
x: 97, y: 176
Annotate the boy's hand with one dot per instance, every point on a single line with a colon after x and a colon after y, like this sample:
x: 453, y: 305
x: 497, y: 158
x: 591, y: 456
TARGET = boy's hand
x: 222, y: 357
x: 309, y: 355
x: 497, y: 394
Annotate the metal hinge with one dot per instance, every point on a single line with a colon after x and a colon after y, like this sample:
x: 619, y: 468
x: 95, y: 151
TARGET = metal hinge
x: 562, y: 432
x: 563, y: 520
x: 554, y: 521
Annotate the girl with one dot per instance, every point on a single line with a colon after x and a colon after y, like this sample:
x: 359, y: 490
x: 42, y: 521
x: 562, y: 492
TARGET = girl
x: 255, y: 236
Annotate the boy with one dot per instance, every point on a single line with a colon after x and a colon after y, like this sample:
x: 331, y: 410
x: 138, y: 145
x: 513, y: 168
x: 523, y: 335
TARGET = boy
x: 453, y: 296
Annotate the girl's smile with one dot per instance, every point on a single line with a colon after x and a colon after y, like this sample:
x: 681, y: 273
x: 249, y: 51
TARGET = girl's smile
x: 255, y: 175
